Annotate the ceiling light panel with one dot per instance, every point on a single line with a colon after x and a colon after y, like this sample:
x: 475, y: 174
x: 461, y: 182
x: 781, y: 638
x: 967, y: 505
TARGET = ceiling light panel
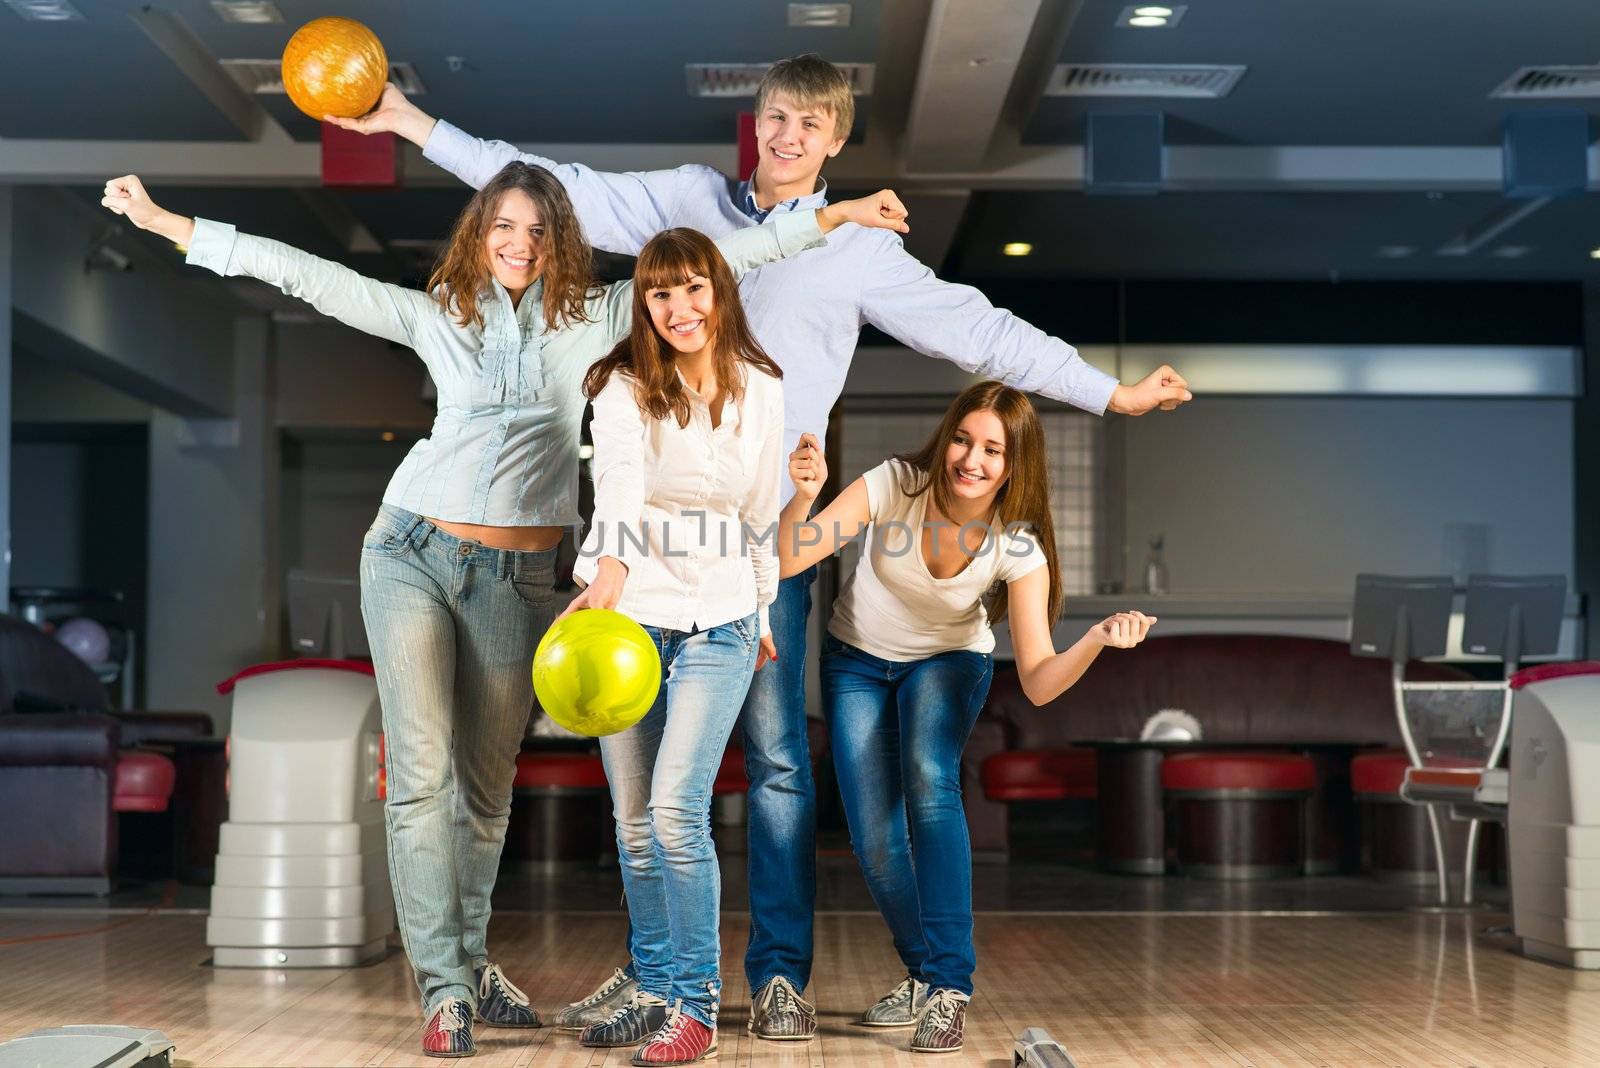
x: 45, y: 10
x: 815, y: 16
x: 1173, y: 80
x: 1151, y: 16
x: 254, y: 12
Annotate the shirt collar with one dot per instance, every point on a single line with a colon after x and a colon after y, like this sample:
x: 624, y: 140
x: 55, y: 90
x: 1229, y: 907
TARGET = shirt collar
x: 744, y: 197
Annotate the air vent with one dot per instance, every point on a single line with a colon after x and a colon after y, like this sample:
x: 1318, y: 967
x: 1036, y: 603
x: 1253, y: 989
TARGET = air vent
x: 1210, y: 81
x: 1550, y: 83
x: 740, y: 79
x: 264, y: 76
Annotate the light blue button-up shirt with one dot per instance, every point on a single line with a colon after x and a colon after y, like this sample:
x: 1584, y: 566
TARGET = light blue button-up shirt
x: 504, y: 446
x: 807, y: 312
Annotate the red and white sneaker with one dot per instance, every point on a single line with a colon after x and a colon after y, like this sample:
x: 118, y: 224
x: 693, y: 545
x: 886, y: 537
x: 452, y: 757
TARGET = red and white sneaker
x: 448, y: 1032
x: 681, y: 1040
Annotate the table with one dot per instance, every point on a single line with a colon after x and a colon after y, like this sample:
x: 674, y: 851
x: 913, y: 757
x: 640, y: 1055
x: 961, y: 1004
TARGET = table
x: 1130, y: 820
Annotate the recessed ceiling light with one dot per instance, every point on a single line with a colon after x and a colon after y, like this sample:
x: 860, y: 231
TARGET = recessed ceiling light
x: 1594, y: 254
x: 1021, y: 248
x: 1152, y: 16
x: 256, y: 12
x: 813, y: 16
x: 46, y: 10
x: 387, y: 435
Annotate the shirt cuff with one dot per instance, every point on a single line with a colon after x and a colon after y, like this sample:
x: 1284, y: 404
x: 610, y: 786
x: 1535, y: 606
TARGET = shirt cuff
x: 798, y: 230
x: 1096, y: 392
x: 211, y: 245
x: 448, y: 145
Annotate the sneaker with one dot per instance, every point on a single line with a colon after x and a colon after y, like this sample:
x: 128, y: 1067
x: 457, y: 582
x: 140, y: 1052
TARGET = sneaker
x: 778, y: 1013
x: 681, y: 1040
x: 610, y: 996
x: 629, y: 1025
x: 900, y: 1007
x: 500, y: 1003
x: 944, y: 1018
x: 449, y: 1030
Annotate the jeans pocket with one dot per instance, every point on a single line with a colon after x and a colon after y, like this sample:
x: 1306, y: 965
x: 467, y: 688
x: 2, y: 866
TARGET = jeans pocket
x: 388, y: 536
x: 533, y: 578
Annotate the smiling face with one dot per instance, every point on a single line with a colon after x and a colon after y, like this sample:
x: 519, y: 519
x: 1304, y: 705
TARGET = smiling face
x: 514, y: 243
x: 975, y: 460
x: 792, y: 144
x: 684, y: 314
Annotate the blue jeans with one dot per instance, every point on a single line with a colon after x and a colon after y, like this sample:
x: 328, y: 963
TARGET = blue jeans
x: 897, y: 729
x: 452, y: 626
x: 661, y: 771
x: 782, y: 849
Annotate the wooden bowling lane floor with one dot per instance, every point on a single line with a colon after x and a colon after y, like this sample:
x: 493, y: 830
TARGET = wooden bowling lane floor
x: 1117, y: 989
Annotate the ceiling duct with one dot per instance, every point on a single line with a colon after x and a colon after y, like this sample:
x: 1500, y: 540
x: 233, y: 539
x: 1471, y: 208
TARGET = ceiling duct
x: 265, y: 76
x: 1150, y: 80
x: 1550, y: 83
x: 727, y: 80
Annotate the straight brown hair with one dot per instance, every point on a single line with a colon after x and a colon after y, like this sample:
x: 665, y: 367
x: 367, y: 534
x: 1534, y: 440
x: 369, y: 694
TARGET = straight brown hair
x: 1023, y: 499
x: 670, y: 259
x: 566, y: 260
x: 811, y: 82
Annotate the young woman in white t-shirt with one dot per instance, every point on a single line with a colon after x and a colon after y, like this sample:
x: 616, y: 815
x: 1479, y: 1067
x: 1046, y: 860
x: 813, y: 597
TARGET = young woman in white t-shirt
x: 907, y: 664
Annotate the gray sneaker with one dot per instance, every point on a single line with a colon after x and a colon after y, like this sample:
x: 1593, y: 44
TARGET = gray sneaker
x: 939, y: 1029
x: 610, y: 996
x: 780, y: 1014
x: 900, y: 1007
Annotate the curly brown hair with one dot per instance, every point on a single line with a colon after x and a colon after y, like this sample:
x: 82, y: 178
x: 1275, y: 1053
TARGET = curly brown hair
x: 566, y: 262
x: 1023, y: 499
x: 670, y: 259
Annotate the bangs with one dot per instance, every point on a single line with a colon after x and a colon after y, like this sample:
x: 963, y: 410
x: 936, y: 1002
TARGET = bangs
x: 671, y: 259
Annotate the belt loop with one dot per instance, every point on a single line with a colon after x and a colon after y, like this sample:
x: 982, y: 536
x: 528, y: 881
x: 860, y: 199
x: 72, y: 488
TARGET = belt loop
x: 419, y: 532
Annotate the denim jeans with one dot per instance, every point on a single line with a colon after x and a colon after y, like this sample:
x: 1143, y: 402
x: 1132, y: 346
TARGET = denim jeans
x: 661, y: 771
x: 452, y: 626
x: 897, y: 730
x: 782, y: 809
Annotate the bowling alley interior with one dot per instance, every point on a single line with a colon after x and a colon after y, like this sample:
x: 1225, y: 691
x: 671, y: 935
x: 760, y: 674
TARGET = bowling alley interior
x: 1300, y: 303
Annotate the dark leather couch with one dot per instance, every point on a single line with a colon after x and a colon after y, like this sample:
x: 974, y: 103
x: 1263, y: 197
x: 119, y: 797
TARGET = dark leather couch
x: 1240, y: 687
x: 63, y: 761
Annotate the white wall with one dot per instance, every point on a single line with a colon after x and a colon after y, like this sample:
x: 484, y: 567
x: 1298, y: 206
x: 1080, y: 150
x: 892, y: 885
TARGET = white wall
x: 1297, y: 496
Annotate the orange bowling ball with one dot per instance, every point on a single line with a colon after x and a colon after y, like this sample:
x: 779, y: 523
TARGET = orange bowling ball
x: 334, y: 66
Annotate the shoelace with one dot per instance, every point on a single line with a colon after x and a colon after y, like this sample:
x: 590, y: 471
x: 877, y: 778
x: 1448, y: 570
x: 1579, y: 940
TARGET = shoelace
x: 669, y: 1030
x: 905, y: 990
x: 607, y: 988
x: 779, y: 996
x: 637, y: 1001
x: 493, y: 975
x: 450, y: 1019
x: 942, y: 1007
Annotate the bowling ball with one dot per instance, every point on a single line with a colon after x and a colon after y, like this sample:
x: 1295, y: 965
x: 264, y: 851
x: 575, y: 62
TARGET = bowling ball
x: 334, y: 66
x: 86, y: 639
x: 596, y: 672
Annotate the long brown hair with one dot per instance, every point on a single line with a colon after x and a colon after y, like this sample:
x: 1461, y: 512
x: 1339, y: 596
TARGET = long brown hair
x: 566, y: 260
x: 1024, y: 497
x: 670, y: 259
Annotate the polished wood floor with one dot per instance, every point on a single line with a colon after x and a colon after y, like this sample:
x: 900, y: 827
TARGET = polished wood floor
x: 1400, y: 988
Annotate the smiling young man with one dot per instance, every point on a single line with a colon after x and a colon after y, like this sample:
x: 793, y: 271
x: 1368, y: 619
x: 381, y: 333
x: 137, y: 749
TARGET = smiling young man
x: 807, y: 312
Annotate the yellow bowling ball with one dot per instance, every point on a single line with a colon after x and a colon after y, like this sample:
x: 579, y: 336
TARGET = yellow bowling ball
x: 596, y: 672
x: 334, y: 66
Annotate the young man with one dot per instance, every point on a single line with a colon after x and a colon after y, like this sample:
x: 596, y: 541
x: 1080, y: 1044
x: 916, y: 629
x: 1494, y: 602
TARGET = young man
x: 807, y: 312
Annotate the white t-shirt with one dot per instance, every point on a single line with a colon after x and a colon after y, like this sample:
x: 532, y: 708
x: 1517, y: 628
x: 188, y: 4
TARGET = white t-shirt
x: 893, y: 607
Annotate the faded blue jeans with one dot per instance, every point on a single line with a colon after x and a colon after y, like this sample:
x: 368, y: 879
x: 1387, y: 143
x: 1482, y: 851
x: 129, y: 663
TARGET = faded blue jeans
x: 661, y: 771
x: 452, y: 626
x: 897, y: 729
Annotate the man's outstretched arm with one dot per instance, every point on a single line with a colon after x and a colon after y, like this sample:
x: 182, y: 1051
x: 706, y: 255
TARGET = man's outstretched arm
x: 619, y: 212
x: 906, y: 300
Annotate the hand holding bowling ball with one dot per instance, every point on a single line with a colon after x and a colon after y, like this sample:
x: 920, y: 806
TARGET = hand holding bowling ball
x: 334, y: 66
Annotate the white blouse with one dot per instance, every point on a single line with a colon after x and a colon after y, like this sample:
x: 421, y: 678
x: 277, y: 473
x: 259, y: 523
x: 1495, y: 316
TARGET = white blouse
x: 691, y: 510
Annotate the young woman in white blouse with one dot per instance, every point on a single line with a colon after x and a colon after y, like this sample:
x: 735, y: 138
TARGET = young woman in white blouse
x: 688, y: 455
x: 906, y: 666
x: 457, y: 572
